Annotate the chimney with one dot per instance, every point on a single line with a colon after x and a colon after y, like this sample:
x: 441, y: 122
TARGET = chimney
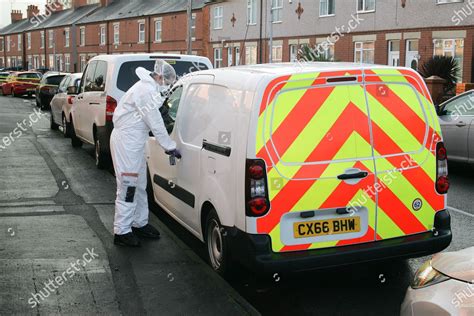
x: 16, y: 16
x: 105, y: 3
x: 32, y: 11
x: 54, y: 6
x: 78, y: 3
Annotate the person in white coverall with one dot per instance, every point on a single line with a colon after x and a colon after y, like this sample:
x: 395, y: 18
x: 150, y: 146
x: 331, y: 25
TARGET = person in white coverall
x: 136, y: 115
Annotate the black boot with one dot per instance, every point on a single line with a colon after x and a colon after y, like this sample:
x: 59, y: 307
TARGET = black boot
x: 128, y: 240
x: 147, y: 231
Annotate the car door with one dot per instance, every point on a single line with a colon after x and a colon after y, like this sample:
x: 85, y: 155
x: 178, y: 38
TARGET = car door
x: 455, y: 119
x: 163, y: 174
x: 59, y: 99
x: 80, y: 108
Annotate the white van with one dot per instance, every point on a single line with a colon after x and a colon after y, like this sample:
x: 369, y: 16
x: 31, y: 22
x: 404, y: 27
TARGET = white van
x: 105, y: 80
x: 297, y: 167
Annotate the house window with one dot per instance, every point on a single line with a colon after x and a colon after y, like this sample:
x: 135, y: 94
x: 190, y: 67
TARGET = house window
x: 251, y: 12
x: 50, y: 38
x: 19, y: 42
x: 277, y: 10
x: 451, y: 48
x: 82, y: 63
x: 365, y: 5
x: 230, y: 56
x: 43, y: 61
x: 217, y: 57
x: 116, y: 33
x: 67, y: 62
x: 28, y: 40
x: 250, y: 55
x: 327, y: 51
x: 364, y: 52
x: 42, y: 39
x: 326, y: 8
x: 102, y: 35
x: 448, y: 1
x: 141, y: 32
x: 158, y: 30
x: 2, y: 45
x: 193, y: 27
x: 51, y: 62
x: 237, y: 56
x: 293, y: 53
x: 66, y: 37
x: 82, y: 36
x: 218, y: 17
x: 394, y: 53
x: 30, y: 62
x: 277, y: 53
x: 9, y: 43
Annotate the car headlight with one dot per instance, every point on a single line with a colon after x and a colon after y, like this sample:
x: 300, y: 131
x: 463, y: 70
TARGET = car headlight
x: 427, y: 276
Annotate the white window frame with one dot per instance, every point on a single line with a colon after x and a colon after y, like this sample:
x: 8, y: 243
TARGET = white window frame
x: 218, y: 17
x: 141, y: 33
x: 82, y: 36
x: 448, y: 1
x: 217, y: 57
x: 158, y: 30
x: 103, y: 35
x: 277, y: 53
x: 9, y: 43
x: 117, y: 33
x: 50, y: 38
x: 364, y: 5
x: 237, y: 55
x: 362, y: 50
x: 193, y: 27
x: 324, y: 8
x: 67, y: 35
x: 249, y: 56
x: 251, y: 12
x: 19, y: 41
x: 67, y: 62
x: 42, y: 39
x: 28, y: 40
x: 230, y: 56
x: 277, y: 11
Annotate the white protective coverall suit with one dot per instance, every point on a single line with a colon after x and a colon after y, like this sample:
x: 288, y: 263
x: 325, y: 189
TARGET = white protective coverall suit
x: 136, y: 115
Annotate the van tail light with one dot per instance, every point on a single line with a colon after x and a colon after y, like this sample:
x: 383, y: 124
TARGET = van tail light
x: 256, y: 188
x: 110, y: 106
x: 70, y: 98
x: 442, y: 180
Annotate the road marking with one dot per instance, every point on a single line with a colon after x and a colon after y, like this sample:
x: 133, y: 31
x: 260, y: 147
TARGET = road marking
x: 460, y: 211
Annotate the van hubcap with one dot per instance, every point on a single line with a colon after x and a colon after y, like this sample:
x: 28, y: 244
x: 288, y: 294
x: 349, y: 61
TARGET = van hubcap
x: 214, y: 244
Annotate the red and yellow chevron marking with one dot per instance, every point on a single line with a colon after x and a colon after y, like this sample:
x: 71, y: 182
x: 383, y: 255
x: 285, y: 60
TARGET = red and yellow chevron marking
x: 310, y: 132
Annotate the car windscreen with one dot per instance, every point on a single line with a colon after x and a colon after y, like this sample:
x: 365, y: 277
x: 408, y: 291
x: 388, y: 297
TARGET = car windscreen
x: 54, y: 80
x: 127, y: 77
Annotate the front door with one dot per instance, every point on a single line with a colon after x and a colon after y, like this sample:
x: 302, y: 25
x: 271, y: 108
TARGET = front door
x: 412, y: 55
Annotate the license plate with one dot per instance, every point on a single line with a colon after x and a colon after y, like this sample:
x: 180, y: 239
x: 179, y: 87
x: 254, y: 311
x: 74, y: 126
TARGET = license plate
x: 326, y: 227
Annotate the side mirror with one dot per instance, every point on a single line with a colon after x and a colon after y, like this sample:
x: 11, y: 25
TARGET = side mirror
x: 72, y: 90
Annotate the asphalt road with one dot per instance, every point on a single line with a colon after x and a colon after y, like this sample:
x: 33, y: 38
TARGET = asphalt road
x: 369, y: 289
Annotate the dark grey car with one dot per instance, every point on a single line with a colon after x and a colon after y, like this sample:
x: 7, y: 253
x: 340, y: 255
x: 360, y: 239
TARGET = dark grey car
x: 456, y: 117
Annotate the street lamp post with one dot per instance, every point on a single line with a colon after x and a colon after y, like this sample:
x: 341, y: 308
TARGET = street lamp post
x: 189, y: 32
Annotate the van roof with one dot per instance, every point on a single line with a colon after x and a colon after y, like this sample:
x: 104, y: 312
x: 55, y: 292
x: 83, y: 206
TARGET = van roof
x: 132, y: 57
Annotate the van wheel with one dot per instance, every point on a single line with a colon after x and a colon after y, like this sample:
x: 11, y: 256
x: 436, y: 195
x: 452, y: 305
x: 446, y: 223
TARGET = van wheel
x: 52, y: 124
x: 75, y: 141
x: 66, y: 127
x: 102, y: 160
x: 217, y: 248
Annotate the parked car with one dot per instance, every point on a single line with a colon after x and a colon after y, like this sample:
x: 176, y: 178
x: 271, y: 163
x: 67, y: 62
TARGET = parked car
x: 47, y: 88
x: 21, y: 83
x: 3, y: 77
x: 442, y: 286
x: 456, y: 117
x: 61, y: 103
x: 276, y: 160
x: 42, y: 70
x: 105, y: 80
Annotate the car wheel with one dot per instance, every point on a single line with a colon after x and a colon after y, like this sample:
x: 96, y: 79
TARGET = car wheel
x: 14, y: 94
x: 102, y: 156
x: 216, y: 243
x: 66, y: 127
x: 75, y: 141
x: 53, y: 125
x: 38, y: 104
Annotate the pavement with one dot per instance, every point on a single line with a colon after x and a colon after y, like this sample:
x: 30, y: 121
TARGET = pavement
x: 56, y: 242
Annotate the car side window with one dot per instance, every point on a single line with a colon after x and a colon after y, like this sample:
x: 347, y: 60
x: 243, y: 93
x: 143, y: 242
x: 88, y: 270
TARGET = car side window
x: 461, y: 106
x: 170, y: 107
x: 64, y: 83
x: 87, y: 84
x: 100, y: 76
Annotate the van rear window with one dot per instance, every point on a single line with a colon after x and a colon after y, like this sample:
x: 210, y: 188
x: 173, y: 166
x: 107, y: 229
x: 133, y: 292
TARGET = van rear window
x: 127, y: 77
x: 54, y: 80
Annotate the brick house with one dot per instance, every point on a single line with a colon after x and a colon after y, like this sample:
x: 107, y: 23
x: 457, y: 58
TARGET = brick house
x: 386, y: 32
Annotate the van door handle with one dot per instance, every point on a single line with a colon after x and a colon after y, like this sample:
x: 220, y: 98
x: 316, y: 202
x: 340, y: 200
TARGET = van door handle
x: 460, y: 124
x: 349, y: 176
x: 94, y: 103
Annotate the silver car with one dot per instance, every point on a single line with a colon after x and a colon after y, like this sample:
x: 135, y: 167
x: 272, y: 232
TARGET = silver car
x: 456, y: 117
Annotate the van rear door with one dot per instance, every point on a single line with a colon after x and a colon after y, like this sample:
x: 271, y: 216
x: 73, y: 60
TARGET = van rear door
x: 314, y: 135
x: 405, y: 131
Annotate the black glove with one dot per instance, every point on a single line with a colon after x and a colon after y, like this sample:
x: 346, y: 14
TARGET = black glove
x: 174, y: 153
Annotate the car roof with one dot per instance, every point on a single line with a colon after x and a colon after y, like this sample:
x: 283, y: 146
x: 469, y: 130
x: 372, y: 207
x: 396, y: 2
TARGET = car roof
x: 54, y: 73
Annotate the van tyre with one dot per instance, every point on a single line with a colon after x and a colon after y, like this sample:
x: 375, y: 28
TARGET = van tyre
x: 75, y: 141
x: 52, y: 124
x: 102, y: 155
x: 66, y: 127
x: 217, y: 246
